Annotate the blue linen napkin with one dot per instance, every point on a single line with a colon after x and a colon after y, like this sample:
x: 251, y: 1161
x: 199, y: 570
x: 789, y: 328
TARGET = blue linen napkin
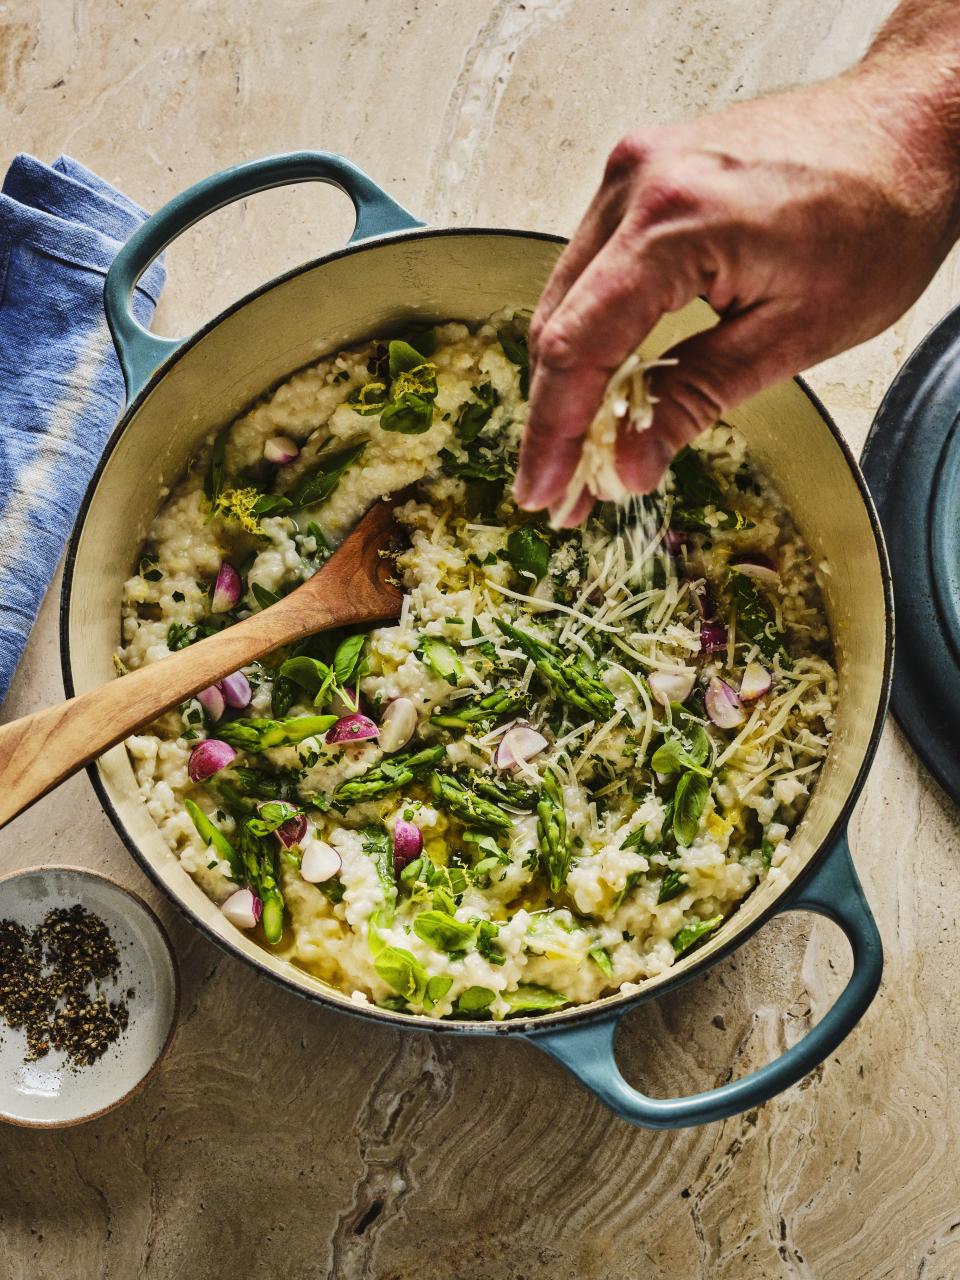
x: 61, y: 389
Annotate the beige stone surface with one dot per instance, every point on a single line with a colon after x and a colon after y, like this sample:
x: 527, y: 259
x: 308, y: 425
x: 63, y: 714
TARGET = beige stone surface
x: 282, y: 1140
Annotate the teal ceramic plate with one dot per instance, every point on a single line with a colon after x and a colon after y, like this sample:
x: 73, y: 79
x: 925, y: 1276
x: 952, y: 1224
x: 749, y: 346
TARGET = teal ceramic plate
x: 49, y: 1092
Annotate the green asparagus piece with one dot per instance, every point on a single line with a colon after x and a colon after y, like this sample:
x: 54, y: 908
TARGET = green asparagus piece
x: 211, y: 835
x: 552, y: 832
x: 257, y: 735
x: 692, y: 935
x: 504, y: 791
x: 452, y: 795
x: 566, y: 677
x: 376, y: 843
x: 755, y: 618
x: 259, y: 855
x: 502, y: 702
x: 389, y: 775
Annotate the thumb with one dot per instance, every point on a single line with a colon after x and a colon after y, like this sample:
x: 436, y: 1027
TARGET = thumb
x: 714, y: 372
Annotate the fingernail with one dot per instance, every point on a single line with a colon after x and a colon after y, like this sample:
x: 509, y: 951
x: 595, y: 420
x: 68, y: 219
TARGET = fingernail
x: 532, y: 492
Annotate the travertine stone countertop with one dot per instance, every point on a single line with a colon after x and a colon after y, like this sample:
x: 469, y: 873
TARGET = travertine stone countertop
x: 286, y: 1141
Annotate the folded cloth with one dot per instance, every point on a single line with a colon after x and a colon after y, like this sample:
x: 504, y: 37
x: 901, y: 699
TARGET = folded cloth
x: 61, y: 389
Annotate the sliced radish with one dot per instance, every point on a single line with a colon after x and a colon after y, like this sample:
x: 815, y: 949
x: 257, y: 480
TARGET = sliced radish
x: 226, y: 592
x: 407, y: 843
x: 723, y: 705
x: 757, y: 566
x: 292, y: 831
x: 398, y: 724
x: 755, y: 683
x: 212, y: 701
x: 352, y: 728
x: 519, y: 744
x: 712, y: 637
x: 209, y: 757
x: 346, y: 703
x: 320, y: 862
x: 672, y: 686
x: 280, y: 449
x: 236, y: 690
x: 243, y: 909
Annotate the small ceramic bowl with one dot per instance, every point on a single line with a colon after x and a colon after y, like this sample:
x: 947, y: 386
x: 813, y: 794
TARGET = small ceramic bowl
x: 50, y: 1093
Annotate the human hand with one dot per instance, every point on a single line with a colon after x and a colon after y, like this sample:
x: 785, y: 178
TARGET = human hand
x: 810, y: 221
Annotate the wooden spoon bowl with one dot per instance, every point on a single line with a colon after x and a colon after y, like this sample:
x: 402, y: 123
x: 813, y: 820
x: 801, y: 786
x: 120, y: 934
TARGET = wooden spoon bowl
x: 354, y: 587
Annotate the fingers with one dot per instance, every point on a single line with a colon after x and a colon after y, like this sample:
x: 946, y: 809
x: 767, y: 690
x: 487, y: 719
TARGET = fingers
x: 577, y: 513
x: 610, y: 307
x: 715, y: 371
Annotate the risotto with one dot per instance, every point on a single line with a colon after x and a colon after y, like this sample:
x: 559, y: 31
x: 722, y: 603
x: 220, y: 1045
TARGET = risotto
x: 565, y: 764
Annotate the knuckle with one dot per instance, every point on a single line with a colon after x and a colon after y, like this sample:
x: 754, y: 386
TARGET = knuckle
x: 694, y: 406
x: 630, y: 154
x: 556, y: 346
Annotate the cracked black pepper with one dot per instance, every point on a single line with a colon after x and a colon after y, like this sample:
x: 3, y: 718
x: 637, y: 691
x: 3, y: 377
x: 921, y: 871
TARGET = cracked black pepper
x: 51, y: 985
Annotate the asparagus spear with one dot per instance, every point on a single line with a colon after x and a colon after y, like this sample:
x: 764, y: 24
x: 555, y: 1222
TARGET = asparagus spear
x: 567, y: 678
x: 259, y: 855
x: 389, y: 775
x: 261, y: 734
x: 552, y: 832
x: 504, y: 791
x: 502, y: 702
x: 452, y: 795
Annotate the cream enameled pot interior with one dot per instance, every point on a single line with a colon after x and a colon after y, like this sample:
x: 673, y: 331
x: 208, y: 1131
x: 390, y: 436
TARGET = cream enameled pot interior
x: 371, y: 290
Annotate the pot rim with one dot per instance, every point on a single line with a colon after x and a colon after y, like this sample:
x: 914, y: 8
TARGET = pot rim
x: 577, y: 1015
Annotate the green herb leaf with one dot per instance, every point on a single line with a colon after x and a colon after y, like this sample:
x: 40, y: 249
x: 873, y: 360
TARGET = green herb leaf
x: 686, y: 749
x: 273, y: 814
x: 309, y: 674
x: 368, y: 399
x: 756, y: 620
x: 672, y: 885
x: 528, y: 551
x: 692, y: 935
x: 475, y: 414
x: 530, y: 998
x: 409, y: 415
x: 601, y: 958
x: 263, y: 597
x: 402, y: 971
x: 317, y: 483
x: 442, y: 931
x: 513, y: 339
x: 475, y: 1000
x: 403, y: 357
x: 689, y: 802
x: 347, y: 657
x: 213, y: 483
x: 437, y: 988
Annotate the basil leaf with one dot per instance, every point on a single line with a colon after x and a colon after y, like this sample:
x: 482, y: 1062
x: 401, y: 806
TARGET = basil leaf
x: 475, y: 414
x: 263, y: 597
x: 487, y: 934
x: 513, y: 340
x: 347, y: 657
x: 443, y: 932
x: 319, y: 481
x: 766, y: 853
x: 693, y: 482
x: 270, y: 504
x: 402, y: 971
x: 437, y: 988
x: 692, y: 935
x: 530, y: 998
x: 601, y: 958
x: 475, y: 1000
x: 403, y: 358
x: 410, y: 415
x: 677, y: 753
x: 756, y: 620
x: 528, y: 551
x: 671, y: 886
x: 273, y: 814
x: 310, y: 674
x: 421, y: 337
x: 213, y: 483
x: 689, y: 802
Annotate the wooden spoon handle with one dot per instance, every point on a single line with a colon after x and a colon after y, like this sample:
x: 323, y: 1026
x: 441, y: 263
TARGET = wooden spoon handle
x: 41, y: 750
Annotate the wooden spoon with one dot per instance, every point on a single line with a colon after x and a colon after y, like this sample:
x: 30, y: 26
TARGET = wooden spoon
x: 38, y: 752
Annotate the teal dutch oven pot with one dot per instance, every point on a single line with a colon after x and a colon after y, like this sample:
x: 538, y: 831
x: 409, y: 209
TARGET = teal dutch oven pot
x: 393, y: 270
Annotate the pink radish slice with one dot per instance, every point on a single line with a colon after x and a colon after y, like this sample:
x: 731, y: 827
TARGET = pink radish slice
x: 672, y: 686
x: 320, y: 862
x: 349, y: 729
x: 398, y: 724
x: 723, y: 705
x: 226, y: 592
x: 236, y: 690
x: 407, y: 843
x: 712, y: 637
x: 243, y: 909
x: 209, y: 757
x: 279, y: 449
x: 755, y: 683
x: 519, y: 744
x: 212, y: 701
x: 292, y: 831
x: 758, y: 567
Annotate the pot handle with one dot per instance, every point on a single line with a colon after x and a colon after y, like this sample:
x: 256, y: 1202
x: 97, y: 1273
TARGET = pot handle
x: 588, y: 1051
x: 142, y: 352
